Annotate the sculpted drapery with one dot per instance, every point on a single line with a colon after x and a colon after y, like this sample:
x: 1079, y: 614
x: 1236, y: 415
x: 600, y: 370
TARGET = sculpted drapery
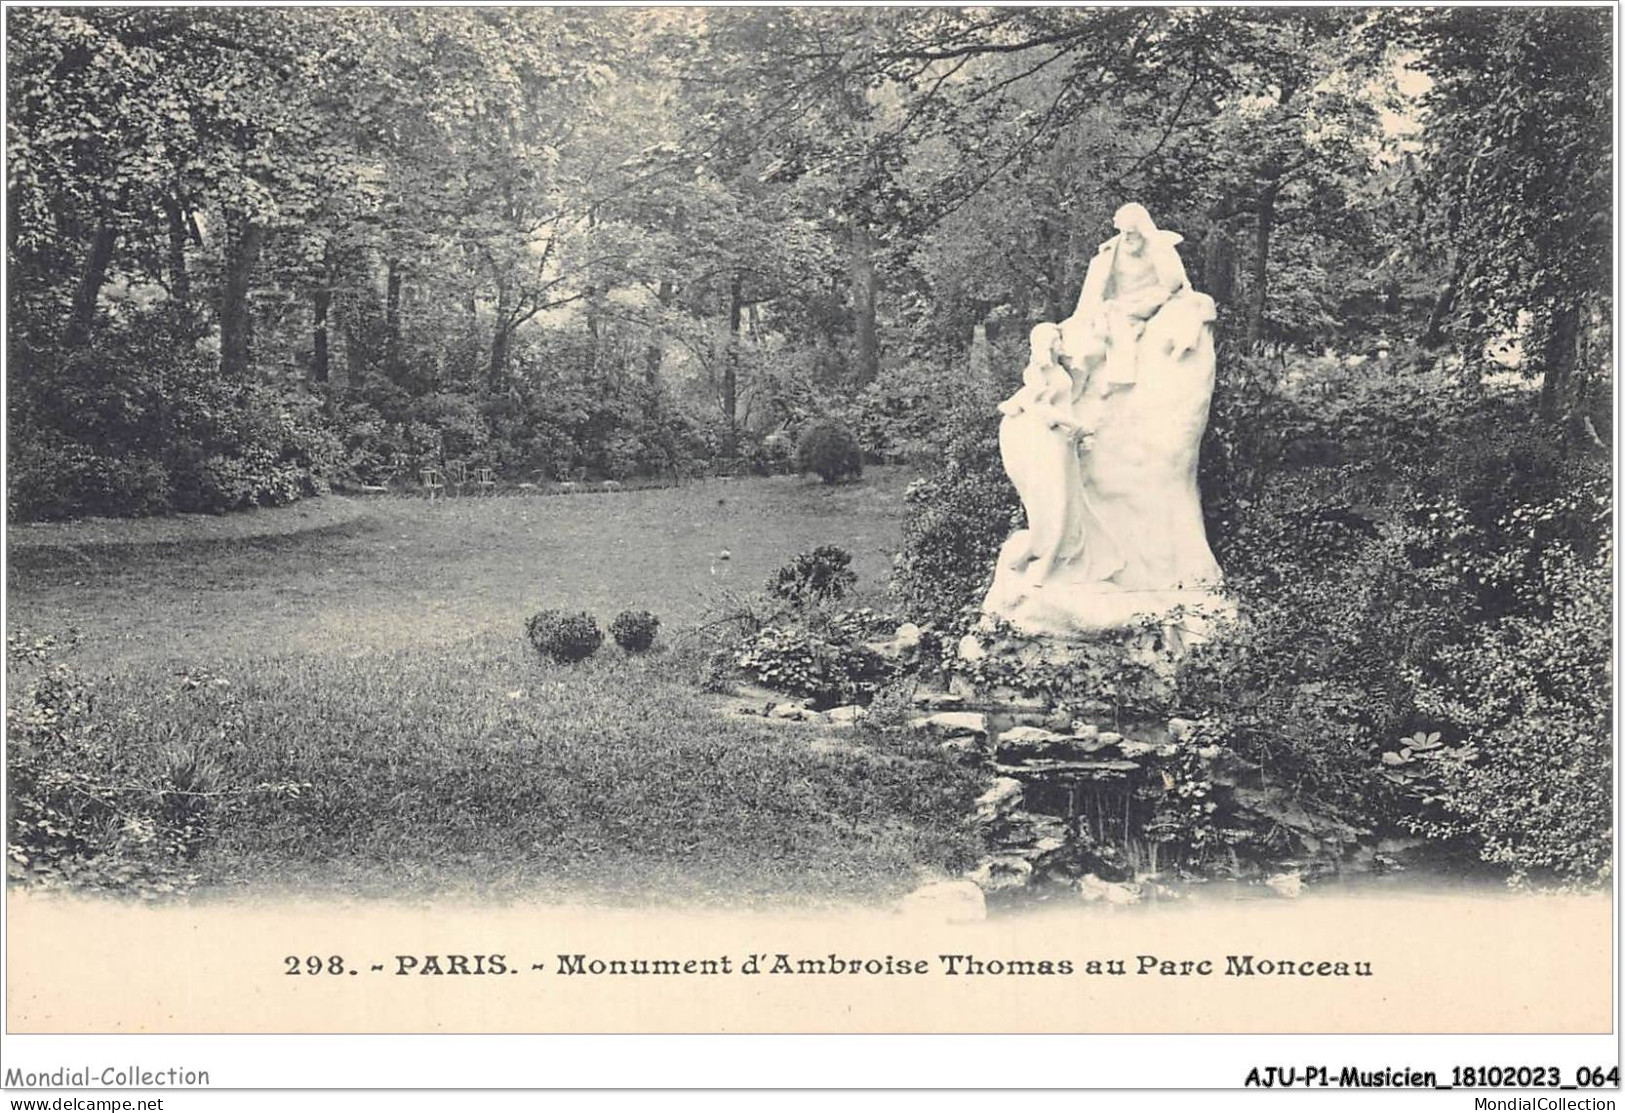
x: 1101, y: 443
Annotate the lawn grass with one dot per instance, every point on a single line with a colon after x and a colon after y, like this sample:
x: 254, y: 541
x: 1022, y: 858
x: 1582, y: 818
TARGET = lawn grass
x: 383, y: 666
x: 420, y: 573
x: 478, y: 767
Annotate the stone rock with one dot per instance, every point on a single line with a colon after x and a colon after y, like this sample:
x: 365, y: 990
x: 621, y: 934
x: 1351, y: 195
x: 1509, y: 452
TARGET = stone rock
x: 1092, y: 888
x: 1031, y: 736
x: 1058, y: 721
x: 1363, y: 859
x: 793, y: 712
x: 1002, y: 871
x: 937, y: 701
x: 1281, y: 807
x: 846, y: 716
x: 1023, y: 717
x: 955, y: 902
x: 1042, y: 767
x: 952, y: 724
x: 1046, y: 846
x: 1004, y: 796
x: 1029, y: 743
x: 1084, y: 731
x: 971, y: 648
x: 1180, y: 729
x: 904, y: 644
x: 1023, y: 830
x: 1286, y: 884
x: 1152, y: 885
x: 1130, y: 748
x: 1394, y: 846
x: 1110, y: 737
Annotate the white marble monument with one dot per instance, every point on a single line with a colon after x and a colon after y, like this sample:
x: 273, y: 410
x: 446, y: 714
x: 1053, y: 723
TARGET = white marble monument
x: 1101, y: 443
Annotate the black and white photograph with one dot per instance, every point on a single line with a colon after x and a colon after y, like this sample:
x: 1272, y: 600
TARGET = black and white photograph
x: 610, y: 520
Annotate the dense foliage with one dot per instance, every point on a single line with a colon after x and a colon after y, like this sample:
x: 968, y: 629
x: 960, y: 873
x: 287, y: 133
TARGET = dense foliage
x: 958, y: 517
x: 565, y: 637
x: 256, y: 251
x: 1407, y: 564
x: 95, y: 801
x: 813, y: 578
x: 259, y: 251
x: 830, y: 451
x: 634, y: 631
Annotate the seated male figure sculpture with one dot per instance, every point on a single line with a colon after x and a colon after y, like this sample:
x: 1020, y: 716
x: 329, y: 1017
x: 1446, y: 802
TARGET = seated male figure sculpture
x: 1132, y: 276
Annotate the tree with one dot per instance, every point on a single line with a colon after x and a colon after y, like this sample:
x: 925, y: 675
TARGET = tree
x: 1517, y: 153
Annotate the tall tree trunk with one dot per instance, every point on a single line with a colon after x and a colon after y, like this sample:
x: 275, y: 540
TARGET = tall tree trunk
x: 323, y: 300
x: 656, y: 350
x: 1557, y: 358
x: 1219, y: 266
x: 863, y: 302
x: 590, y: 301
x: 1053, y: 254
x: 981, y: 357
x: 353, y: 311
x: 91, y: 279
x: 180, y: 281
x: 730, y: 366
x: 243, y: 238
x: 1433, y: 335
x: 496, y: 374
x: 392, y: 319
x: 1261, y: 257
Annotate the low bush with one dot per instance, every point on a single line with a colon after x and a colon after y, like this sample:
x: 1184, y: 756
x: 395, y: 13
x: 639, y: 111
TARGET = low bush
x: 824, y: 667
x: 956, y: 520
x: 50, y: 478
x: 829, y: 450
x: 141, y: 423
x: 1522, y: 711
x: 818, y: 576
x: 564, y: 637
x: 634, y: 631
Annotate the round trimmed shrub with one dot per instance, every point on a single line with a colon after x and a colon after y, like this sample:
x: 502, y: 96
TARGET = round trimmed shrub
x: 829, y: 449
x: 634, y: 631
x: 566, y: 638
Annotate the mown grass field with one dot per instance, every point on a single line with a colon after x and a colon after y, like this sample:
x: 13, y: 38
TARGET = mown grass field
x: 420, y: 573
x: 382, y: 664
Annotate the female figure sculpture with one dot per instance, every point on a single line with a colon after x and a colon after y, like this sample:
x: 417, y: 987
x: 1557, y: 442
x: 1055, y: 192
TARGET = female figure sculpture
x: 1105, y: 462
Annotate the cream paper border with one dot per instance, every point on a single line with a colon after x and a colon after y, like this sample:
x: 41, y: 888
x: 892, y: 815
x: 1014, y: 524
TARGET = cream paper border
x: 1448, y: 963
x: 1480, y: 963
